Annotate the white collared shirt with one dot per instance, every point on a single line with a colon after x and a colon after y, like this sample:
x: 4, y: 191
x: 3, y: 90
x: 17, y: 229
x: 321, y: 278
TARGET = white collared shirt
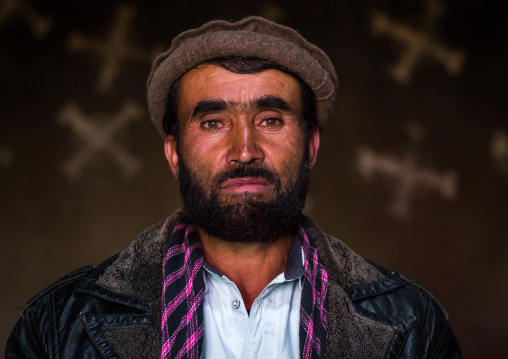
x: 270, y: 331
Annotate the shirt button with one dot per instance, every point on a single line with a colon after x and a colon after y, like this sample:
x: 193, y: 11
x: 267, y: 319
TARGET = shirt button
x: 236, y: 303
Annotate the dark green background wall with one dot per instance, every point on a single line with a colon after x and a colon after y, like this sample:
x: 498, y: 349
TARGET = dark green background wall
x: 412, y: 173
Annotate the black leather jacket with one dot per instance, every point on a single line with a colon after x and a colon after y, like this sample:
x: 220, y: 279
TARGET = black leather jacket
x: 113, y: 310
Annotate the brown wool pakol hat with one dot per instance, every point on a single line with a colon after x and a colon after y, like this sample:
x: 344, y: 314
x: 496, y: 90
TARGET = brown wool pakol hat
x: 251, y: 37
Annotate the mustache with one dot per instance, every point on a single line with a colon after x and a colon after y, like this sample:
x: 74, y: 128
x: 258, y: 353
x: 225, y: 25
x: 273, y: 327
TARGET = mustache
x: 243, y: 171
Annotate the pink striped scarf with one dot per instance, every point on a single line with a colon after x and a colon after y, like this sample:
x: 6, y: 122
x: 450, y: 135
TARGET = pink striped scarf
x: 182, y: 297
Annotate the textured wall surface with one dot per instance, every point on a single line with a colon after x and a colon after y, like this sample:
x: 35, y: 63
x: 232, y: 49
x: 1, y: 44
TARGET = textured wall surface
x: 412, y: 172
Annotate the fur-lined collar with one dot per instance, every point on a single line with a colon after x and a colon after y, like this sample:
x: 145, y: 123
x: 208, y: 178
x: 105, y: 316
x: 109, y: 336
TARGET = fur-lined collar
x: 133, y: 272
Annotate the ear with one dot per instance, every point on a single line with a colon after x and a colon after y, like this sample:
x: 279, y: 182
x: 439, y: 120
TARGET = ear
x: 170, y: 144
x: 313, y: 146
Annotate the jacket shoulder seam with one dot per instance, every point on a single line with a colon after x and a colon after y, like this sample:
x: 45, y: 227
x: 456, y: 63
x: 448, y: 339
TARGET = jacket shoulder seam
x: 435, y: 350
x: 73, y: 276
x: 54, y: 331
x: 34, y: 335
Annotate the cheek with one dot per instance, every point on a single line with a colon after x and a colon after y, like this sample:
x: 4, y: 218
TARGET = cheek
x: 286, y: 156
x: 201, y: 155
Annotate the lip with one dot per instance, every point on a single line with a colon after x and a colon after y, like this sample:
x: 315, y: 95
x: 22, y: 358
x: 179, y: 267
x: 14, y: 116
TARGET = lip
x: 247, y: 184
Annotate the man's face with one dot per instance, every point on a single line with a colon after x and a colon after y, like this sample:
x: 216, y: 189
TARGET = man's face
x: 242, y: 157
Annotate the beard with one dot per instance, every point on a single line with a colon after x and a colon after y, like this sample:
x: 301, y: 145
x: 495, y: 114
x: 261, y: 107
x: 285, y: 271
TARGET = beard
x: 245, y: 217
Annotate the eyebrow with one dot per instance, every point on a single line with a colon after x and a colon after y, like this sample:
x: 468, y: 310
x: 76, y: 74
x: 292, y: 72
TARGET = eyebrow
x: 268, y: 101
x: 271, y: 101
x: 207, y: 106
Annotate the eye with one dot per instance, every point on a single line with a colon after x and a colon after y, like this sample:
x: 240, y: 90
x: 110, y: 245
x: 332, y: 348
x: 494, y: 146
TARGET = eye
x: 211, y: 124
x: 271, y: 122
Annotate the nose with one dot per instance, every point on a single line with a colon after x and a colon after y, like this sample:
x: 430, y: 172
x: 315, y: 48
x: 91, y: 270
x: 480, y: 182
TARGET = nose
x: 244, y: 147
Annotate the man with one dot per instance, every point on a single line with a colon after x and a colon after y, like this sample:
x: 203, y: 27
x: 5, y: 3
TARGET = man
x: 239, y: 272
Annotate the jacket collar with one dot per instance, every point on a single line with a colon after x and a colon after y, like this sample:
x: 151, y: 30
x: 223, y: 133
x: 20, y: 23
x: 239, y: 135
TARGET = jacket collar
x: 131, y: 273
x: 352, y: 331
x: 137, y: 272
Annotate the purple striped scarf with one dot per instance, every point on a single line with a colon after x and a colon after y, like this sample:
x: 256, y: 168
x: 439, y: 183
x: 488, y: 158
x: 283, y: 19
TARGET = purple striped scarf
x: 182, y: 297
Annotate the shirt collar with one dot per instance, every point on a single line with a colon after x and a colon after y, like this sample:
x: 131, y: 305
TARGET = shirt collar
x: 294, y: 267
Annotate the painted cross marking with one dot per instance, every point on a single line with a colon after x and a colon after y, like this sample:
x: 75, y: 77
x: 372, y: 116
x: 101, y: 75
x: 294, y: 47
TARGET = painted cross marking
x: 408, y: 180
x: 499, y: 150
x: 39, y: 24
x: 418, y: 43
x: 99, y: 138
x: 113, y: 50
x: 5, y: 157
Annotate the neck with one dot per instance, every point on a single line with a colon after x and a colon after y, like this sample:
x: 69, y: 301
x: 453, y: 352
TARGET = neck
x: 251, y: 266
